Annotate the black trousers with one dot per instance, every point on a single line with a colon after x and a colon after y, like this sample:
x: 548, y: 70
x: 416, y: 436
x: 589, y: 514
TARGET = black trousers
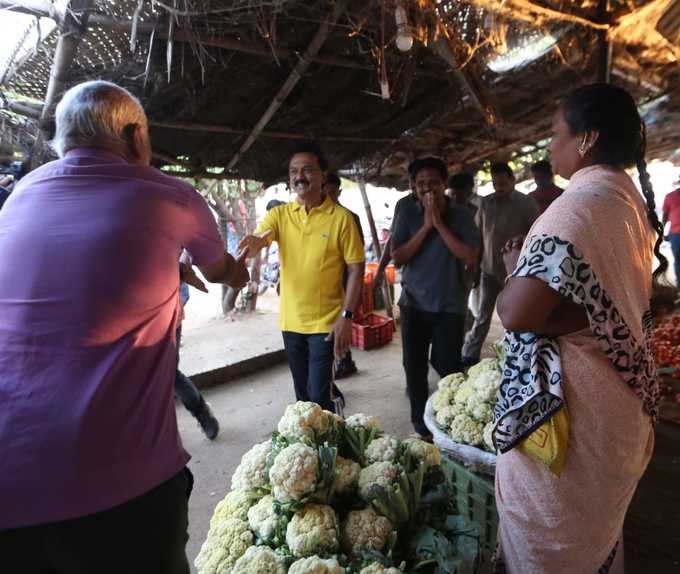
x: 147, y: 534
x: 310, y: 358
x: 185, y: 390
x: 437, y: 336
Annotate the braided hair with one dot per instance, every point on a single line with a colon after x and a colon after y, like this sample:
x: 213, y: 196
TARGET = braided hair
x: 622, y: 141
x: 648, y: 192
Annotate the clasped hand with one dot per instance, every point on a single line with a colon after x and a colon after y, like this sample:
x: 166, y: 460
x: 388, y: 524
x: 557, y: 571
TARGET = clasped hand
x: 433, y: 216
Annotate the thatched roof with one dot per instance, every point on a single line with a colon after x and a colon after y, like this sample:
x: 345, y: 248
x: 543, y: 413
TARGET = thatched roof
x: 234, y: 84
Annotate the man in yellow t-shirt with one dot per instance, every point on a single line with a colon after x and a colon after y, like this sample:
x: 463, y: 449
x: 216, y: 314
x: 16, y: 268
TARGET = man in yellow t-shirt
x: 317, y: 240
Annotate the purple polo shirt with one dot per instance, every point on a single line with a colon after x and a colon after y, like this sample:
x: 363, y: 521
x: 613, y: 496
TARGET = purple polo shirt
x: 88, y: 305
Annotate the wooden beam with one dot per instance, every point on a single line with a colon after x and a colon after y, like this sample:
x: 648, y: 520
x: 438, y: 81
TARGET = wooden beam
x: 199, y: 174
x: 529, y: 11
x: 24, y: 110
x: 211, y: 128
x: 292, y: 80
x: 73, y: 27
x: 39, y: 8
x: 604, y: 45
x: 450, y: 48
x: 528, y: 136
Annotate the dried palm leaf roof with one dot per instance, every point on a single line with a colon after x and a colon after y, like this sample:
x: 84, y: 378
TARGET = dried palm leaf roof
x: 218, y: 78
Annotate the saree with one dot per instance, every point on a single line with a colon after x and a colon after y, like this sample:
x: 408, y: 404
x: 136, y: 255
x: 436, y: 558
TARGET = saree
x: 594, y: 247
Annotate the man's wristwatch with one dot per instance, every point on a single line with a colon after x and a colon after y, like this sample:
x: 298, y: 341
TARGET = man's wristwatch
x: 347, y: 314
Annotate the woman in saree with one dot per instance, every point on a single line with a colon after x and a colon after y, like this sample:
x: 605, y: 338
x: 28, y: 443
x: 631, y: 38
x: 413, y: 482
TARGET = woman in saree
x: 575, y: 411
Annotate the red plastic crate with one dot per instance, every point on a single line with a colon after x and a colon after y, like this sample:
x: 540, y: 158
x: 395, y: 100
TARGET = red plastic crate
x: 371, y: 331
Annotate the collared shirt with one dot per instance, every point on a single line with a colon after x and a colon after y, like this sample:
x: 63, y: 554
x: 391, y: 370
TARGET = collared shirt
x: 88, y: 307
x: 671, y: 210
x: 500, y: 219
x: 314, y: 249
x: 433, y: 279
x: 544, y: 196
x: 409, y: 199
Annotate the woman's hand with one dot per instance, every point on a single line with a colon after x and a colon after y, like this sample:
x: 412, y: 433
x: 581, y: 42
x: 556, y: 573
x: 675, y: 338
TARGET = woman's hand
x: 511, y: 252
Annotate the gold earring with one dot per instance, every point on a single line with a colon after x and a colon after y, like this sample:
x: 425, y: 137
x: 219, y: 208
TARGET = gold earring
x: 583, y: 148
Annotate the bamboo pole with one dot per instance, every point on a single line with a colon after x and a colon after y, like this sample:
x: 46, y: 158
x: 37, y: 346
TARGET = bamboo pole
x: 212, y: 128
x: 24, y: 110
x: 292, y: 80
x: 73, y: 27
x: 604, y: 45
x: 450, y: 48
x: 376, y: 243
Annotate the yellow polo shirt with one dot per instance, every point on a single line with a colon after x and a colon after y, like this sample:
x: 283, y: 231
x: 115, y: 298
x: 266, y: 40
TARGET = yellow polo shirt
x: 314, y: 249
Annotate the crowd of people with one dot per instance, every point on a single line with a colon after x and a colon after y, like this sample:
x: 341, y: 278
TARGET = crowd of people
x: 95, y: 246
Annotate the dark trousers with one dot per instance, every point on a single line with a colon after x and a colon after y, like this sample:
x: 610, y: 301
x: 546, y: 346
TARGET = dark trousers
x: 310, y: 358
x: 185, y: 389
x: 423, y: 334
x: 489, y: 288
x: 675, y: 246
x: 146, y: 534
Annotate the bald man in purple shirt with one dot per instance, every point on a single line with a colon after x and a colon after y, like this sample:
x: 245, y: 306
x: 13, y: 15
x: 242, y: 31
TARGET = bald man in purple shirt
x: 93, y: 475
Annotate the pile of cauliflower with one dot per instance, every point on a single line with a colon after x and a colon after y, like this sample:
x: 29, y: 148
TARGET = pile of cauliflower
x: 306, y: 501
x: 463, y: 406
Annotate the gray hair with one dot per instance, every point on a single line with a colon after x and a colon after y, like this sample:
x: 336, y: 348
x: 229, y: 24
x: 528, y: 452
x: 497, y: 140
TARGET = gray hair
x: 96, y: 114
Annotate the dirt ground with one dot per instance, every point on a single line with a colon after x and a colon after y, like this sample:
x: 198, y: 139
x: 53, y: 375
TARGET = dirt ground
x: 212, y: 341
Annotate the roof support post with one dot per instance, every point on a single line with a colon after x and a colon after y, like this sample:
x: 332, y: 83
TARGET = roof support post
x: 73, y: 28
x: 604, y: 45
x: 376, y: 242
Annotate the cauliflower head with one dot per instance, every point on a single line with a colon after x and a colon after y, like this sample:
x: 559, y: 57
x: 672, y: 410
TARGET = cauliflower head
x: 446, y: 415
x: 383, y: 449
x: 484, y: 365
x: 304, y: 421
x: 465, y: 391
x: 442, y: 398
x: 478, y: 408
x: 263, y: 519
x: 235, y: 505
x: 486, y: 384
x: 259, y: 560
x: 377, y: 568
x: 361, y: 420
x: 250, y: 474
x: 451, y: 382
x: 423, y: 451
x: 488, y: 437
x: 380, y: 473
x: 347, y: 475
x: 316, y: 565
x: 364, y: 530
x: 224, y: 545
x: 467, y: 430
x: 312, y: 530
x: 294, y: 473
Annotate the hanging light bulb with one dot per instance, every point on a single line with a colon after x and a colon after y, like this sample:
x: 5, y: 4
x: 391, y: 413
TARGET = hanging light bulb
x: 404, y: 36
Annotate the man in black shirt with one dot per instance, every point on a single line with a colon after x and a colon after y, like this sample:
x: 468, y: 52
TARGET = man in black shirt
x: 434, y: 238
